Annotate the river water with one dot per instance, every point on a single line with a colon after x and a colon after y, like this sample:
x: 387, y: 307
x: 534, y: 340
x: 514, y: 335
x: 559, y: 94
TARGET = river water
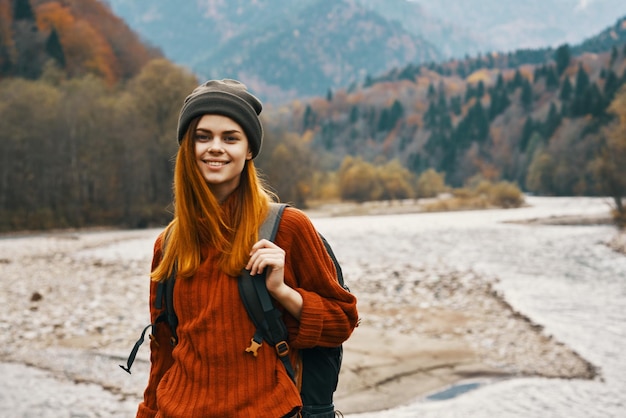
x: 562, y: 277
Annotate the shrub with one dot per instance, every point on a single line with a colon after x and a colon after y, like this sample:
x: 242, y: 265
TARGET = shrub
x: 430, y: 184
x: 506, y: 195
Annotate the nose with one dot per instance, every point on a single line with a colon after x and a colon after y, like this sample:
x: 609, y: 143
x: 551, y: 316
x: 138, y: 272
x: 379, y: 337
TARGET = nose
x: 215, y: 145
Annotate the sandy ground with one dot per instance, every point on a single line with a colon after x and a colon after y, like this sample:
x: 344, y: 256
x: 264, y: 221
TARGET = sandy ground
x: 73, y: 316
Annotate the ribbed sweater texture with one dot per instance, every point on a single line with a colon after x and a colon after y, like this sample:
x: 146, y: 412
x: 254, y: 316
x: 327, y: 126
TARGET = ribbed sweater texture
x: 208, y: 373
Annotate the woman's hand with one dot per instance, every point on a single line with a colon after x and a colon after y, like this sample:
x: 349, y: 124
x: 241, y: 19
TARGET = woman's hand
x: 265, y: 255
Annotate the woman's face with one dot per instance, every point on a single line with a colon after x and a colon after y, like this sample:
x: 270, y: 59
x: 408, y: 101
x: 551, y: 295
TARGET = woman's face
x: 221, y: 153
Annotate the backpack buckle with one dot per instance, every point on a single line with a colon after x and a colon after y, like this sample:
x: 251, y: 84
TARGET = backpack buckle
x: 282, y: 349
x: 254, y: 347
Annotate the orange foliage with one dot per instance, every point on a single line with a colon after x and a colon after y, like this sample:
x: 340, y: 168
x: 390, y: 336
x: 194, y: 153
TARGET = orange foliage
x: 118, y: 52
x: 86, y: 50
x: 483, y: 75
x: 130, y: 53
x: 6, y: 38
x: 414, y: 119
x: 528, y: 72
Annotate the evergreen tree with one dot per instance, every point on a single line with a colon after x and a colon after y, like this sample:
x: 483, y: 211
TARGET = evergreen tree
x: 566, y: 90
x: 499, y: 102
x: 613, y: 55
x: 441, y: 100
x: 469, y: 93
x: 480, y: 90
x: 310, y: 118
x: 527, y: 95
x: 518, y: 79
x: 22, y: 10
x: 445, y: 122
x: 354, y: 114
x: 5, y: 59
x: 553, y: 120
x: 582, y: 82
x: 456, y: 105
x: 476, y: 124
x: 499, y: 82
x: 384, y: 121
x: 481, y: 121
x: 396, y: 112
x: 431, y: 92
x: 527, y: 131
x: 552, y: 78
x: 431, y: 116
x: 562, y: 57
x: 55, y: 49
x: 594, y: 101
x: 611, y: 85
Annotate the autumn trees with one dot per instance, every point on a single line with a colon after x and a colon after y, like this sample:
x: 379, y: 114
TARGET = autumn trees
x: 77, y: 152
x: 610, y: 163
x: 80, y: 37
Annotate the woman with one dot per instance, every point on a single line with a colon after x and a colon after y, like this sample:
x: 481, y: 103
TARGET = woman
x: 220, y: 203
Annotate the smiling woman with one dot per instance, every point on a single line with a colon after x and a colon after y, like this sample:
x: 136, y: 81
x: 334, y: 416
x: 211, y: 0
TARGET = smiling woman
x: 220, y: 203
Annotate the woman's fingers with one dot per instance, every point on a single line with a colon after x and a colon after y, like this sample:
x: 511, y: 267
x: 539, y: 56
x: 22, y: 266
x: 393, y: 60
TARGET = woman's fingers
x: 264, y: 254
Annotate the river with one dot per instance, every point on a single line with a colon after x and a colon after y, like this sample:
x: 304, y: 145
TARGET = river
x: 562, y: 277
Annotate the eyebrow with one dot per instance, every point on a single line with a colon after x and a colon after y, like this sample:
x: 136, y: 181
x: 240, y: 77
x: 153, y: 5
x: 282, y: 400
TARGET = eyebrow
x: 229, y: 132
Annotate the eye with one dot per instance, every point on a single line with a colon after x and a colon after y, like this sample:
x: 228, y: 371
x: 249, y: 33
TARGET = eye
x: 201, y: 137
x: 231, y: 138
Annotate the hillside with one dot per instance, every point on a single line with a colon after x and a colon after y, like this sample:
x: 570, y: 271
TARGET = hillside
x: 281, y: 49
x: 537, y: 124
x: 285, y: 50
x: 79, y: 37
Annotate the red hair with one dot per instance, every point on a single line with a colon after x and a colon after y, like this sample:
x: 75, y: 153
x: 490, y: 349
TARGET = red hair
x: 231, y: 234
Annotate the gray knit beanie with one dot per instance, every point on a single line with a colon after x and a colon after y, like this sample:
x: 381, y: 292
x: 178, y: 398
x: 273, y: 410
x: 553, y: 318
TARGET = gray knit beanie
x: 227, y: 98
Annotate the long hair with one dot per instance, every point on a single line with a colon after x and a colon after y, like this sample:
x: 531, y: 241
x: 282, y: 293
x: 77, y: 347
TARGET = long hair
x: 195, y: 207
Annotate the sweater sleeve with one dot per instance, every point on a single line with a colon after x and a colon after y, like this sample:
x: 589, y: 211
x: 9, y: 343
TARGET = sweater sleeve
x: 329, y: 312
x: 160, y: 348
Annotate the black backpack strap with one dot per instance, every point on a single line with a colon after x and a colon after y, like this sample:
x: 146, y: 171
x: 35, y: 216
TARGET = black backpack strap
x: 164, y: 293
x: 170, y: 314
x: 258, y: 302
x: 133, y: 353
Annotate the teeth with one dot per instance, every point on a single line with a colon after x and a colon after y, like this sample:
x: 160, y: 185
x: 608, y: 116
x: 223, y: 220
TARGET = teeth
x: 216, y: 163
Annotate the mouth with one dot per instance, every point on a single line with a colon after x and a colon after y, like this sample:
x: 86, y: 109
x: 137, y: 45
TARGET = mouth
x: 215, y: 163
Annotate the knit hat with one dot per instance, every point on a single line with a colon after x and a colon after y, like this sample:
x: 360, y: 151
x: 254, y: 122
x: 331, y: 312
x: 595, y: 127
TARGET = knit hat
x: 227, y: 98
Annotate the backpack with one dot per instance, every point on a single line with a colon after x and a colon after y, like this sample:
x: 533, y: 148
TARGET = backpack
x: 320, y: 365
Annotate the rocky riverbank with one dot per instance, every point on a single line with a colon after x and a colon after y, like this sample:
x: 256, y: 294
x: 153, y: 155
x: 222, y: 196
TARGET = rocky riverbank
x: 618, y: 243
x: 76, y: 302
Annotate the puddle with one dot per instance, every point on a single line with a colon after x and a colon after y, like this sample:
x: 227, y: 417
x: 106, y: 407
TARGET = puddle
x: 453, y: 391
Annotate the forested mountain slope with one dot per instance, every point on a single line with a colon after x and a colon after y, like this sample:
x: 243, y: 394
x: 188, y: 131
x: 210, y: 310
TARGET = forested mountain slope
x: 78, y: 36
x: 539, y: 125
x: 282, y: 49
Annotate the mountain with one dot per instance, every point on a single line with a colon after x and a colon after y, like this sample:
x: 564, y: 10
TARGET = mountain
x: 285, y: 49
x: 281, y: 49
x: 509, y: 25
x: 79, y: 37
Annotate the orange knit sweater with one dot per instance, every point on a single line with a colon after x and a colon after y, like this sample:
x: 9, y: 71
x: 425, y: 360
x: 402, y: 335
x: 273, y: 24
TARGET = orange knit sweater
x: 209, y: 374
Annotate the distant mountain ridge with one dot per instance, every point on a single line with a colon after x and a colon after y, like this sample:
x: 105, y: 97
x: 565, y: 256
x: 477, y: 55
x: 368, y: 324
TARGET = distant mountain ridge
x: 282, y: 49
x: 285, y: 49
x: 503, y: 26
